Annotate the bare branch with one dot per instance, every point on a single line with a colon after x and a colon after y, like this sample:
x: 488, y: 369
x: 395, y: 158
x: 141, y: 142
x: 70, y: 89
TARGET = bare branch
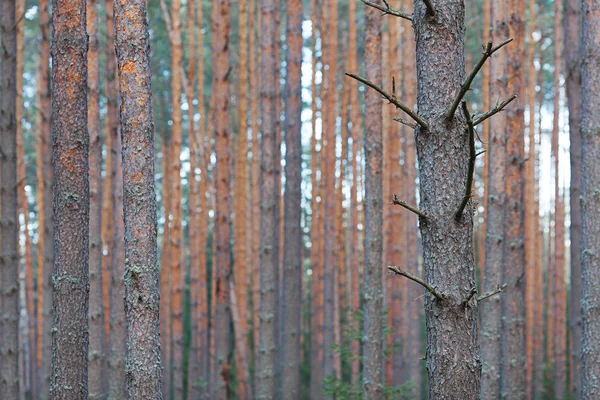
x: 466, y: 85
x: 480, y: 153
x: 430, y: 289
x: 472, y: 157
x: 430, y: 8
x: 167, y: 18
x: 392, y: 99
x: 499, y: 289
x: 405, y: 122
x: 387, y: 10
x: 398, y: 202
x: 472, y: 293
x: 493, y: 111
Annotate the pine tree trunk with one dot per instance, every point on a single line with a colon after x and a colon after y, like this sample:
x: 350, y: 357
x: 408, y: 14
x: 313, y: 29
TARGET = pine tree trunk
x: 70, y: 281
x: 513, y: 382
x: 266, y: 386
x: 590, y: 202
x: 491, y: 351
x: 96, y: 315
x: 141, y: 279
x: 560, y: 302
x: 9, y: 260
x: 292, y: 265
x: 222, y: 317
x: 572, y: 44
x: 372, y: 290
x: 44, y: 174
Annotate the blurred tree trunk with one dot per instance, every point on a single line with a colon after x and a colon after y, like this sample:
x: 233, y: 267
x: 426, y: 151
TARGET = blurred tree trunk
x: 491, y: 349
x: 372, y: 290
x: 514, y: 360
x: 531, y: 218
x: 572, y: 45
x: 292, y: 265
x: 266, y: 385
x: 111, y: 123
x: 139, y: 203
x: 560, y: 304
x: 96, y: 315
x: 44, y: 175
x: 71, y: 203
x: 355, y: 134
x: 590, y: 202
x: 222, y: 264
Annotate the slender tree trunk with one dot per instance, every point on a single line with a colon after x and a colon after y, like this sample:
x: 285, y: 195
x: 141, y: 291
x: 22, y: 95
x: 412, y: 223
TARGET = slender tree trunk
x: 590, y: 203
x: 111, y: 123
x: 413, y: 342
x: 491, y: 351
x: 9, y: 259
x: 117, y: 357
x: 560, y: 295
x: 143, y: 368
x: 531, y: 218
x: 513, y: 382
x: 222, y: 317
x: 572, y: 42
x: 373, y: 291
x: 70, y: 281
x: 45, y: 177
x: 96, y: 315
x: 244, y: 388
x: 292, y: 272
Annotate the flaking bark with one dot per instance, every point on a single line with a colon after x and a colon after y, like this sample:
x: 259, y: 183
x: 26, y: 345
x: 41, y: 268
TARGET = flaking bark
x: 70, y: 142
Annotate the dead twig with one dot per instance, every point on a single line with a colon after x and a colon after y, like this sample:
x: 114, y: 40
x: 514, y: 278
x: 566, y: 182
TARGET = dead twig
x: 430, y: 289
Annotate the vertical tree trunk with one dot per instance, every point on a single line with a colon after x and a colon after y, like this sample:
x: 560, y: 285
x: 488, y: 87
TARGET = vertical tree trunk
x: 491, y: 351
x: 143, y: 368
x: 9, y: 260
x: 560, y: 295
x: 572, y: 44
x: 117, y: 357
x: 70, y: 139
x: 222, y: 318
x: 513, y: 382
x: 266, y: 386
x: 413, y: 341
x: 45, y: 177
x: 531, y: 218
x: 292, y: 264
x: 111, y: 123
x: 96, y: 315
x: 590, y: 202
x: 373, y: 296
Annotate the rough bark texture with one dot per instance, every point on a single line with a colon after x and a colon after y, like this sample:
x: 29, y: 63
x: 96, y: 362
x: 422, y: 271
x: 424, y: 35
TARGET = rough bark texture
x: 70, y: 141
x: 9, y: 260
x: 143, y: 367
x: 513, y: 300
x: 44, y: 174
x: 266, y: 386
x: 590, y: 200
x: 292, y: 264
x: 96, y: 315
x: 372, y: 289
x: 485, y: 134
x: 222, y: 317
x: 491, y: 352
x: 452, y: 357
x: 572, y: 45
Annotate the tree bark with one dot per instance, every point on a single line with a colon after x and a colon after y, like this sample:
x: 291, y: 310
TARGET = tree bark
x: 70, y: 281
x: 96, y: 315
x: 292, y: 272
x: 514, y: 361
x: 491, y: 351
x: 372, y: 290
x: 141, y: 278
x: 9, y: 260
x: 590, y: 202
x: 44, y: 175
x: 452, y: 331
x: 572, y: 45
x: 221, y: 70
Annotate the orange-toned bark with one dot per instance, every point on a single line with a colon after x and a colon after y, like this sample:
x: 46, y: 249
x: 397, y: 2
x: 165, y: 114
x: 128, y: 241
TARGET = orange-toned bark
x: 560, y: 302
x: 244, y: 390
x: 485, y: 134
